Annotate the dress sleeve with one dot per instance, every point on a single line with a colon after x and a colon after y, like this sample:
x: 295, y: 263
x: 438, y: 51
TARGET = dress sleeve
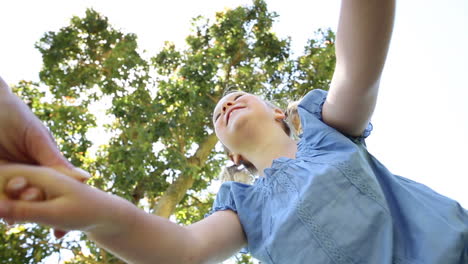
x: 310, y: 110
x: 230, y: 195
x: 224, y: 200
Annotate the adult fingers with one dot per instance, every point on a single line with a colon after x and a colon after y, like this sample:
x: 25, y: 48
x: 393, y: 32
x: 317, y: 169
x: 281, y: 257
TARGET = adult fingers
x: 74, y: 172
x: 41, y: 146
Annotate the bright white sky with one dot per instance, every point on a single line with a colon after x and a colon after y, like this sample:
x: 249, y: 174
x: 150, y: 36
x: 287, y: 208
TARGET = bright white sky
x: 421, y: 120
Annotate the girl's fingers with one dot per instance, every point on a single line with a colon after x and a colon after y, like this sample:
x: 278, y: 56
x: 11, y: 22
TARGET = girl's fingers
x: 23, y: 211
x: 63, y: 197
x: 32, y: 194
x: 17, y: 189
x: 50, y: 181
x: 15, y: 186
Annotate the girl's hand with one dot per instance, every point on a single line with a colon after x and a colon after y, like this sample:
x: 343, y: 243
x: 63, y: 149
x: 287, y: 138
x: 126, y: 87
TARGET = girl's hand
x: 68, y: 204
x: 19, y: 189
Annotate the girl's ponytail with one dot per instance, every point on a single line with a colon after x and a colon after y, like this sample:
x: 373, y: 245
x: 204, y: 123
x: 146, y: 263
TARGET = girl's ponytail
x: 234, y: 173
x: 293, y: 120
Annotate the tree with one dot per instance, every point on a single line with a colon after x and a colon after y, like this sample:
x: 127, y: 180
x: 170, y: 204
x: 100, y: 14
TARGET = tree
x: 161, y: 152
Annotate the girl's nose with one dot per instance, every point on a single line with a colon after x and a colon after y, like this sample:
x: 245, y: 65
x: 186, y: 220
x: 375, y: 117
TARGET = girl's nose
x: 226, y: 105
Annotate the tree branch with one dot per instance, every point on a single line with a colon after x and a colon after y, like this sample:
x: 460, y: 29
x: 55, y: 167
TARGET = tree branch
x: 176, y: 191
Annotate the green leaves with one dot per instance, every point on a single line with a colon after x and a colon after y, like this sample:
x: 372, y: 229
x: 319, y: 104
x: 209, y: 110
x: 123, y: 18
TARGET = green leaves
x: 315, y: 68
x: 26, y: 244
x: 90, y: 53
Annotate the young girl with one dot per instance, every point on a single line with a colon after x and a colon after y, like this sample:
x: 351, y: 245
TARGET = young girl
x: 323, y: 199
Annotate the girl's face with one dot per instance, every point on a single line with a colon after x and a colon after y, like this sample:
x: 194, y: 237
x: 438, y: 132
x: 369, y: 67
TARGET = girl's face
x: 239, y: 118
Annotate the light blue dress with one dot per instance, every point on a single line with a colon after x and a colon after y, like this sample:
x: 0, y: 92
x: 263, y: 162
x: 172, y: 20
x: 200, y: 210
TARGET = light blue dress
x: 336, y: 203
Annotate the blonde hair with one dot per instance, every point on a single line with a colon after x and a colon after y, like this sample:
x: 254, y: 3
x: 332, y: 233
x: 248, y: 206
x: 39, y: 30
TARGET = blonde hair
x: 293, y: 119
x: 245, y: 172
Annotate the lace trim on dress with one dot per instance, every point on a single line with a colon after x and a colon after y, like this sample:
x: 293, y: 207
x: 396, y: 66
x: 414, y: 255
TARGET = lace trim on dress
x: 323, y: 238
x: 353, y: 175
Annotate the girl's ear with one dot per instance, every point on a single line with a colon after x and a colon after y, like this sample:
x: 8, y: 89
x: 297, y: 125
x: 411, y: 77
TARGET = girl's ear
x: 279, y: 114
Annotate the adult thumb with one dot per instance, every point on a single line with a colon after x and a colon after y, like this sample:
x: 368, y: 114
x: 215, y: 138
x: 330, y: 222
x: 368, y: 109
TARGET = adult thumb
x: 44, y: 151
x: 41, y: 146
x: 74, y: 172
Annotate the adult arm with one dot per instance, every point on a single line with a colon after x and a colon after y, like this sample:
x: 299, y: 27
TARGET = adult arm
x: 116, y: 224
x: 362, y: 42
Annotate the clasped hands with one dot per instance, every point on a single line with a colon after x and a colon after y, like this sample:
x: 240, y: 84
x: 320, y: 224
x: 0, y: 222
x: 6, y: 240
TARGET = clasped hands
x: 29, y: 161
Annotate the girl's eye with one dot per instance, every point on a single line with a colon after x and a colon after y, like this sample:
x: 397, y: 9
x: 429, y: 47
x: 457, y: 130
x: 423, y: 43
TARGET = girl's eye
x: 238, y: 96
x: 217, y: 116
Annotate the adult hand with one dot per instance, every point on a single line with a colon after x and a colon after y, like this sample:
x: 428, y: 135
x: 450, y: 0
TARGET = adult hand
x: 24, y: 139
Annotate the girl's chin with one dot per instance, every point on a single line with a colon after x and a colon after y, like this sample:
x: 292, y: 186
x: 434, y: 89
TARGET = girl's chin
x: 237, y: 122
x: 234, y: 116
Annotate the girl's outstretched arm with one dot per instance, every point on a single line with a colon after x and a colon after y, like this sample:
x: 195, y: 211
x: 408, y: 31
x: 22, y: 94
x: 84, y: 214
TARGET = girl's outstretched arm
x: 362, y: 41
x: 116, y: 224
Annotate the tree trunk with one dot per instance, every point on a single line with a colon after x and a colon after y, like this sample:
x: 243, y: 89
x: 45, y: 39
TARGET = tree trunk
x: 176, y: 191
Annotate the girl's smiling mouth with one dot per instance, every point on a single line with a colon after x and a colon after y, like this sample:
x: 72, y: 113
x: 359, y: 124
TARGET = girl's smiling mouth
x: 228, y: 115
